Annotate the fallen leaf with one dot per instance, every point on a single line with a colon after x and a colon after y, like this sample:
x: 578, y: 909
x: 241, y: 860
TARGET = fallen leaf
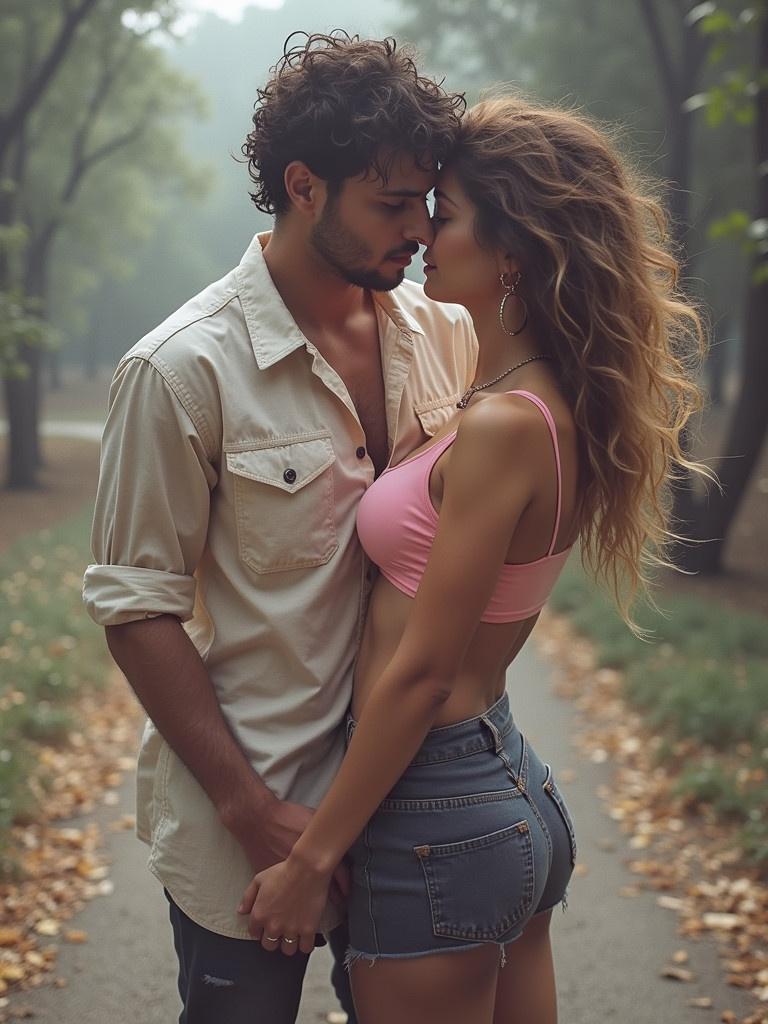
x: 11, y: 972
x: 677, y: 973
x: 76, y: 936
x: 700, y: 1003
x: 670, y: 902
x: 630, y: 891
x: 47, y: 927
x: 725, y: 921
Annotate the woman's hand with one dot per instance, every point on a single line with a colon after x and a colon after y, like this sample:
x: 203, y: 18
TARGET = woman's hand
x: 285, y: 904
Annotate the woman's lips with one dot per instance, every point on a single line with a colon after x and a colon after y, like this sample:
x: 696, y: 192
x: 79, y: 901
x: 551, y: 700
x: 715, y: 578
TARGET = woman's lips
x: 428, y: 267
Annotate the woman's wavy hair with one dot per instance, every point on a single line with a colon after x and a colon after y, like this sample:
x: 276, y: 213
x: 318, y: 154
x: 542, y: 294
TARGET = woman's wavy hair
x: 345, y: 106
x: 601, y: 283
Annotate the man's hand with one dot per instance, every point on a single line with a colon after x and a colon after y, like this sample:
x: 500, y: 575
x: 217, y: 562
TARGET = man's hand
x: 269, y: 837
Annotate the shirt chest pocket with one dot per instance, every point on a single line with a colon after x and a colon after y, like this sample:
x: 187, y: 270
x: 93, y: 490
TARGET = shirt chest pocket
x: 435, y: 413
x: 284, y: 506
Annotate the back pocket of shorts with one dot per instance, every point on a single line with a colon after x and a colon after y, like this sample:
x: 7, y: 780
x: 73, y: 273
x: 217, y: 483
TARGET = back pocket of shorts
x: 550, y: 787
x: 479, y: 889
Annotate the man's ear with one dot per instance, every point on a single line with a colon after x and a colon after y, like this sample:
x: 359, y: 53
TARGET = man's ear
x: 306, y: 192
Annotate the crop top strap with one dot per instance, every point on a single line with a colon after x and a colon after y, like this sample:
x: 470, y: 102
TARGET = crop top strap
x: 553, y: 431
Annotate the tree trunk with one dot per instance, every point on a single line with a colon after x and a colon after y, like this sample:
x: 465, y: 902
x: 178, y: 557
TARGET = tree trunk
x: 54, y: 370
x: 679, y: 75
x: 749, y: 422
x: 22, y: 433
x: 36, y: 287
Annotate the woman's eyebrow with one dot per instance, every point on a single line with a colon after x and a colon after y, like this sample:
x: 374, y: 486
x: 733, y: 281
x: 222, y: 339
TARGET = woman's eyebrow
x: 445, y: 198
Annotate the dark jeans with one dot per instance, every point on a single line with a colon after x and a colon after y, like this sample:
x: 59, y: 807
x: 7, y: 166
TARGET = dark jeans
x: 236, y: 981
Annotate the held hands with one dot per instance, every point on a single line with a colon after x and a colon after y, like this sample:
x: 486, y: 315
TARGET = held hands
x: 285, y: 903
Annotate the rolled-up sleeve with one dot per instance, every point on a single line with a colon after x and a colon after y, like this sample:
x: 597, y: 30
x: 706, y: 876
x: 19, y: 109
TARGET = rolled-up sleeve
x: 153, y: 501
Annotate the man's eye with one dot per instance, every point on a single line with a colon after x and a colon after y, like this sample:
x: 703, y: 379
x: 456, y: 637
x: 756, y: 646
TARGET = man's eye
x: 397, y: 207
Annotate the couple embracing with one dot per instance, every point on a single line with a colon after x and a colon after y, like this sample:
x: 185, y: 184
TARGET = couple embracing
x: 332, y: 504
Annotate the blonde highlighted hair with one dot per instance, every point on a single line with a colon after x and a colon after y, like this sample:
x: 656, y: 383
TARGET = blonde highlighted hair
x: 601, y: 283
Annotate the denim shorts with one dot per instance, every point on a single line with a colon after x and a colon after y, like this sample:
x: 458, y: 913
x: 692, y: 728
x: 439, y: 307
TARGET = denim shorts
x: 472, y: 841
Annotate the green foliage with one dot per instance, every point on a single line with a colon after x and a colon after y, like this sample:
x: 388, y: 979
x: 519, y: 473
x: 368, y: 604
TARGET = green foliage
x: 96, y: 156
x: 50, y: 651
x: 702, y: 699
x: 19, y: 325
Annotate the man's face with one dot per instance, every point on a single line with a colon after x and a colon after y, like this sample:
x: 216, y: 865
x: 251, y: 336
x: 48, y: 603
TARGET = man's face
x: 371, y: 229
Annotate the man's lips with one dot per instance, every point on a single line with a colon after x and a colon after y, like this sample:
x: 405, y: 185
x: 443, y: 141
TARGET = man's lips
x: 403, y: 257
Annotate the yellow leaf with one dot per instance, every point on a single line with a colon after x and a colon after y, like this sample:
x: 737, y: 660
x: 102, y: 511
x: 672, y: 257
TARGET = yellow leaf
x: 10, y: 936
x: 47, y: 927
x: 11, y: 972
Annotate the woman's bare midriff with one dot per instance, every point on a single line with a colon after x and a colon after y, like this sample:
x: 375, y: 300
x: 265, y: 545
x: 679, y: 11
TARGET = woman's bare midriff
x: 482, y: 678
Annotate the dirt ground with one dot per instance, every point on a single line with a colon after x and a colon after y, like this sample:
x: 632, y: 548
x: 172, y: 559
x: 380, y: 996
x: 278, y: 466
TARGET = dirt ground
x: 67, y: 485
x: 69, y: 482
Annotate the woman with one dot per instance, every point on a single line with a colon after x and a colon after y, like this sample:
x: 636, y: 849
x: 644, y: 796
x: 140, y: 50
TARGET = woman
x: 459, y: 840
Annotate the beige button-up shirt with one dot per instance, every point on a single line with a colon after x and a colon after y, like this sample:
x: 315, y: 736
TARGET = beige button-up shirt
x: 230, y: 478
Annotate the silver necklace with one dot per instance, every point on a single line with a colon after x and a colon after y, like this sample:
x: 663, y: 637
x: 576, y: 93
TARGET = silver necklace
x: 464, y: 400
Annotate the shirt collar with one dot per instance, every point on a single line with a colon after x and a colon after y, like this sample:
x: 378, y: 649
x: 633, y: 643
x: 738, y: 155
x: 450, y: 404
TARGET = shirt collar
x: 273, y: 332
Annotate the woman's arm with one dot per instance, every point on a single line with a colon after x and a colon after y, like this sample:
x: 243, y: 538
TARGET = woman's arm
x: 495, y: 462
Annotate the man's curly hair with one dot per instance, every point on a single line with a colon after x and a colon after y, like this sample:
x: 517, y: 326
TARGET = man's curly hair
x: 344, y: 106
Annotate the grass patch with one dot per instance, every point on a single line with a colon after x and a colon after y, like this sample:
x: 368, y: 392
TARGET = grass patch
x: 703, y: 677
x: 49, y: 651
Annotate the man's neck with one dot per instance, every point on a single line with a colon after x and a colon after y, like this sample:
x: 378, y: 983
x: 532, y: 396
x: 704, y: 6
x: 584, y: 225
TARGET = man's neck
x: 318, y: 298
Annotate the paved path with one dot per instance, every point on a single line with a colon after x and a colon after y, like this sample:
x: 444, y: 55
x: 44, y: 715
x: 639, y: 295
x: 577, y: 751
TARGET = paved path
x: 86, y: 430
x: 608, y: 949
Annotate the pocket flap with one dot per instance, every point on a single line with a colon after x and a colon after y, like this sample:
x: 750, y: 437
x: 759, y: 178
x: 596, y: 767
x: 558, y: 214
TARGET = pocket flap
x: 287, y: 466
x: 435, y: 413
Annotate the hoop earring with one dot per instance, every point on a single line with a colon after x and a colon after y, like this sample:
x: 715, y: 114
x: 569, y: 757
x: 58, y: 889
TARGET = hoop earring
x: 511, y: 290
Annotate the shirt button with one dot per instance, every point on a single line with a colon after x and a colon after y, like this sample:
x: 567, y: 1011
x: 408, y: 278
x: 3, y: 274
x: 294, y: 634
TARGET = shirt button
x: 360, y: 453
x: 289, y: 476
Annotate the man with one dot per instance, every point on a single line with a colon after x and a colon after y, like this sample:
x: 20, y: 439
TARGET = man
x: 242, y: 433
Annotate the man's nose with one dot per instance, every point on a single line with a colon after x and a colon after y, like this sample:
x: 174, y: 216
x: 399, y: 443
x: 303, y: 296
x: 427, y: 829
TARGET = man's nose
x: 420, y: 228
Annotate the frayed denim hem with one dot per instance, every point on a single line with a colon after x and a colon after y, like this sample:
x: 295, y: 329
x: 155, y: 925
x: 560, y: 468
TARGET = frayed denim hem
x: 354, y: 956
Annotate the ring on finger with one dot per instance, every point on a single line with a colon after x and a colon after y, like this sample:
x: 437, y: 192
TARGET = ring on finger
x: 289, y: 942
x: 271, y: 938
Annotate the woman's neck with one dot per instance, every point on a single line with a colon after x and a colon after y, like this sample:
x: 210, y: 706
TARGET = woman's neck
x: 497, y: 351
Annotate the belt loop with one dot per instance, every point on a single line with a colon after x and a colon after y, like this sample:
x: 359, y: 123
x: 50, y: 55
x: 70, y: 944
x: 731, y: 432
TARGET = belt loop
x: 497, y: 740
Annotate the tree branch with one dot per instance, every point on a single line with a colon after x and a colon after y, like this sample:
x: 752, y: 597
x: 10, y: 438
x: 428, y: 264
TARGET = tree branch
x: 110, y: 72
x: 11, y: 124
x: 106, y: 150
x: 661, y: 49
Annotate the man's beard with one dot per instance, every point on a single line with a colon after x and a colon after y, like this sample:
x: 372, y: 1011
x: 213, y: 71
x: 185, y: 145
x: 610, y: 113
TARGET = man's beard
x: 348, y: 254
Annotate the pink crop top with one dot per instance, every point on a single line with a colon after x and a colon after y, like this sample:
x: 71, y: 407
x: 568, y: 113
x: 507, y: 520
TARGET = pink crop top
x: 396, y: 523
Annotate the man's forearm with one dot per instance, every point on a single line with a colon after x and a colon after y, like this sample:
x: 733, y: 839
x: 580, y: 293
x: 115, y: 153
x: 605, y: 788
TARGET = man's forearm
x: 170, y: 679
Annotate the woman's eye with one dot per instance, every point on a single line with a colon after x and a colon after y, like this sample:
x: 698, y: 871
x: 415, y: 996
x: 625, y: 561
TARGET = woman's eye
x: 438, y: 220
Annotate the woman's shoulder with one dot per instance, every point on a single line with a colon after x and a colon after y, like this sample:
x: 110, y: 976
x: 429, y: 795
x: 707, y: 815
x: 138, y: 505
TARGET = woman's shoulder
x: 511, y: 424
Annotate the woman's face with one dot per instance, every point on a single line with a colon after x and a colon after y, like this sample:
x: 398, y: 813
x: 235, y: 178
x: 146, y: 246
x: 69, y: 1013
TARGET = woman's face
x: 457, y: 268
